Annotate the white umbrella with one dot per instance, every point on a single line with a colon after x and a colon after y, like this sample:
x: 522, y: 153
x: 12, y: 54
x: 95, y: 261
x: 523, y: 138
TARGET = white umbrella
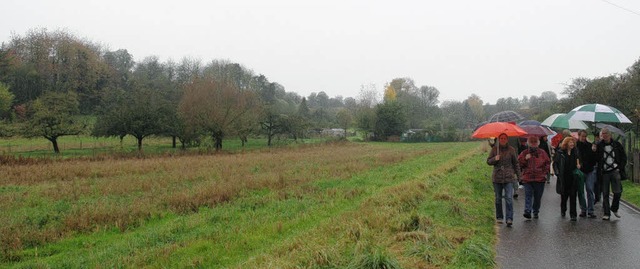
x: 597, y: 113
x: 561, y: 120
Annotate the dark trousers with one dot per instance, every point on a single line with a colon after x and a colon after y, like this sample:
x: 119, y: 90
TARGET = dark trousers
x: 533, y: 195
x: 570, y: 192
x: 611, y: 180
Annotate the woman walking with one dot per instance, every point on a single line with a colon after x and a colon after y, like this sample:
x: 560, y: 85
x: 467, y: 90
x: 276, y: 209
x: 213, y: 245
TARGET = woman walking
x: 506, y: 172
x: 534, y: 163
x: 565, y: 163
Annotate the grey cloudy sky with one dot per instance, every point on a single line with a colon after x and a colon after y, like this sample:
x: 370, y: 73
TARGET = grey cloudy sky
x: 492, y: 48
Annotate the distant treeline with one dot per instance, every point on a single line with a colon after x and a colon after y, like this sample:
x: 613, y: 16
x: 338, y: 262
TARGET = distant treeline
x: 53, y: 84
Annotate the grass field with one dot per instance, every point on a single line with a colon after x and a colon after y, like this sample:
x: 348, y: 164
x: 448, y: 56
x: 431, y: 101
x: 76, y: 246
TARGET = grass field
x: 330, y: 205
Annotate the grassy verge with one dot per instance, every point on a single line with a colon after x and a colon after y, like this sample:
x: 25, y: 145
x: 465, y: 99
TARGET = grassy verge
x: 631, y: 192
x: 410, y: 206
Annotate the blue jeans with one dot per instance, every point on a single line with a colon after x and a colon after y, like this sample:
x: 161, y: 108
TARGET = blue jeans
x: 498, y: 188
x: 533, y: 195
x: 590, y: 184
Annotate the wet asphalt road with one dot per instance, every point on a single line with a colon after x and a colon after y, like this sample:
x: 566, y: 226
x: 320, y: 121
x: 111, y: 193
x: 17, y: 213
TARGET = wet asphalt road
x: 556, y: 242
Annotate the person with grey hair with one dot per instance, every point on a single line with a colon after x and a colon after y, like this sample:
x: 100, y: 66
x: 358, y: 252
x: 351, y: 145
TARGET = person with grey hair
x: 534, y: 164
x: 611, y: 160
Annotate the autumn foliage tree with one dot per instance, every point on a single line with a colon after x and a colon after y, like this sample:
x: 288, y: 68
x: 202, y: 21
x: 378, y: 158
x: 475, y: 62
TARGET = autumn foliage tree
x: 214, y: 105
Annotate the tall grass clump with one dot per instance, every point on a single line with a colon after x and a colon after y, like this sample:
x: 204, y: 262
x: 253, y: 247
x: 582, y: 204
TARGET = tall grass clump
x: 374, y: 257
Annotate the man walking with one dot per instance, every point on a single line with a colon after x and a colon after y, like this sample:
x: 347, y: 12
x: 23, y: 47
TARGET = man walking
x: 611, y: 163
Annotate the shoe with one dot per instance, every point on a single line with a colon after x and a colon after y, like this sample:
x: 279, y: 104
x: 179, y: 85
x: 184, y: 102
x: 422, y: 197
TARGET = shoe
x: 574, y: 219
x: 499, y: 221
x: 583, y: 214
x: 535, y: 215
x: 615, y: 213
x: 509, y: 222
x: 605, y: 217
x: 592, y: 216
x: 563, y: 214
x: 527, y: 216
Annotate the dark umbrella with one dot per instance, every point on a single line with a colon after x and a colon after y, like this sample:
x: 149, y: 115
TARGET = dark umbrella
x: 529, y: 122
x: 479, y: 125
x: 611, y: 128
x: 537, y: 130
x: 506, y: 116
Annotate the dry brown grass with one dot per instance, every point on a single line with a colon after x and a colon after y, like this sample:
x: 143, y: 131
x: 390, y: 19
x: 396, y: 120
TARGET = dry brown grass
x: 73, y: 196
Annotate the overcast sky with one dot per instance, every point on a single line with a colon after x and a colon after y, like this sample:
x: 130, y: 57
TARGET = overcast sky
x: 492, y: 48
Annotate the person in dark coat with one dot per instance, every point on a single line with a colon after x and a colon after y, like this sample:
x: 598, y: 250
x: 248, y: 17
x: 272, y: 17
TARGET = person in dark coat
x: 534, y: 163
x: 564, y: 164
x: 611, y: 164
x: 506, y: 172
x: 587, y: 153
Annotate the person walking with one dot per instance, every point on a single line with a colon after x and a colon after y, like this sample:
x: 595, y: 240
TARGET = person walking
x: 534, y: 164
x: 506, y: 172
x: 544, y: 145
x: 611, y: 164
x: 587, y: 153
x: 565, y: 163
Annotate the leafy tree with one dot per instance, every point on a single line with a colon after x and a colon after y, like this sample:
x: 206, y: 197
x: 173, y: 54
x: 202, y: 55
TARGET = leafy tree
x: 57, y: 61
x: 453, y: 115
x: 54, y: 115
x: 344, y: 120
x: 138, y: 113
x: 214, y: 105
x: 6, y: 101
x: 121, y: 65
x: 390, y: 94
x: 390, y: 120
x: 474, y: 111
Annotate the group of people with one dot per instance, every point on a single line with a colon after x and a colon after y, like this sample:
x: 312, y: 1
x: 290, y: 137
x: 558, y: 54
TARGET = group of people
x: 579, y: 165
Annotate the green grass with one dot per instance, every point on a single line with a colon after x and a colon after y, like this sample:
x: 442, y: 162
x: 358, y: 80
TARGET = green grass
x: 435, y: 209
x: 631, y: 192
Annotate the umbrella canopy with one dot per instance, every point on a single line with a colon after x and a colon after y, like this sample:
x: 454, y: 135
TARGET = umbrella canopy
x: 506, y: 116
x: 597, y: 113
x: 529, y: 122
x: 561, y: 120
x: 494, y: 129
x: 537, y: 130
x: 611, y: 128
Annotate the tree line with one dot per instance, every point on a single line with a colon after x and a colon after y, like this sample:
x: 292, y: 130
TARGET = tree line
x: 53, y: 84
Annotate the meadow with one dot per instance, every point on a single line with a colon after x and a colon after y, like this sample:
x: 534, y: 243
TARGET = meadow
x: 323, y: 205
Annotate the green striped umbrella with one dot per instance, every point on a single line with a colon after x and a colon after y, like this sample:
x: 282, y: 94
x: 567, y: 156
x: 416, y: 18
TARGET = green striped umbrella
x: 560, y: 120
x: 597, y: 113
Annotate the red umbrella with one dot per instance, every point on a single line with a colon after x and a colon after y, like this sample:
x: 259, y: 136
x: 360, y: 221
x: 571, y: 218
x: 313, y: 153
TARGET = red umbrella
x: 494, y: 129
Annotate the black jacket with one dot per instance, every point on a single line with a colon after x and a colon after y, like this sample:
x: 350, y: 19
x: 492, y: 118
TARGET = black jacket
x: 620, y: 158
x: 559, y: 165
x: 587, y: 157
